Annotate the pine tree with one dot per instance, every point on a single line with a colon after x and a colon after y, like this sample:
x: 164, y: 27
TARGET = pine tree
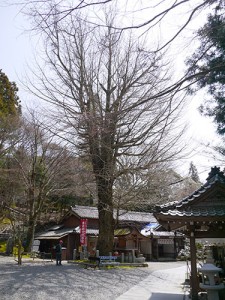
x: 193, y: 172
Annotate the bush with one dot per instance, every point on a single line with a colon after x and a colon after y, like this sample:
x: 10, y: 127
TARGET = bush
x: 3, y: 246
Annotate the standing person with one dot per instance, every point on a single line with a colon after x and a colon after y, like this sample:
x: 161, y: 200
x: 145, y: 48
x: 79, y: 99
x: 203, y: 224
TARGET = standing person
x: 58, y: 250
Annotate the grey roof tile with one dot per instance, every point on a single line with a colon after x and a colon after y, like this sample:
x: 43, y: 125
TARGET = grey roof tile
x: 124, y: 216
x: 200, y: 212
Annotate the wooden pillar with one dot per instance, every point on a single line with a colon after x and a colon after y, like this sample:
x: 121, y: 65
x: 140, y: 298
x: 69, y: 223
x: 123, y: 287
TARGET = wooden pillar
x: 151, y: 246
x: 194, y: 274
x: 156, y: 247
x: 175, y: 245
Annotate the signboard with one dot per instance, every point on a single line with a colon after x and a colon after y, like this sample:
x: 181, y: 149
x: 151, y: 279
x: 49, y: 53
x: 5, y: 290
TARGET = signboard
x: 35, y: 246
x: 83, y: 230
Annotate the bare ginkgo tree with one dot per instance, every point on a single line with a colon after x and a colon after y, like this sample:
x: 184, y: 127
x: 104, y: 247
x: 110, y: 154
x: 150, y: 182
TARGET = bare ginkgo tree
x: 109, y: 91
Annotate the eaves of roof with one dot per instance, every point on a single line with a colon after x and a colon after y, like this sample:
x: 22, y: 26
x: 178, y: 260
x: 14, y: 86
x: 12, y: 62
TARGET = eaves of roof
x: 53, y: 234
x: 160, y: 234
x: 197, y: 212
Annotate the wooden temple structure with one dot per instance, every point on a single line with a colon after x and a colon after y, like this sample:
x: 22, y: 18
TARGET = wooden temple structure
x: 200, y: 215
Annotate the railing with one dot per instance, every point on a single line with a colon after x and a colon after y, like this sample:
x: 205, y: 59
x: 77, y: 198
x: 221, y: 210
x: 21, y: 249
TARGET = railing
x: 45, y: 255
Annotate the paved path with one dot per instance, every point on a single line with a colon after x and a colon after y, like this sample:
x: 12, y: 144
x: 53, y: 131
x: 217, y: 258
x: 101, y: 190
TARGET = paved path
x: 42, y: 280
x: 164, y: 284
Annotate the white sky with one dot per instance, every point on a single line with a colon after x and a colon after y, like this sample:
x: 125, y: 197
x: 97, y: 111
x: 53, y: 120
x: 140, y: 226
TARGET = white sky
x: 16, y: 51
x: 15, y: 46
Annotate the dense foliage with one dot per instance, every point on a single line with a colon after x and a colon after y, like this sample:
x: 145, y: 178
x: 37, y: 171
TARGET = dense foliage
x: 207, y: 66
x: 9, y: 100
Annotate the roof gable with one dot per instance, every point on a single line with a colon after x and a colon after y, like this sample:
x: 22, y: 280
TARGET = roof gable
x: 206, y: 206
x: 211, y: 194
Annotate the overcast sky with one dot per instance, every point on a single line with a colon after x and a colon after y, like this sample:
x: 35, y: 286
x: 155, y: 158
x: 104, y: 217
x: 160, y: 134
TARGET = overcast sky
x: 16, y: 52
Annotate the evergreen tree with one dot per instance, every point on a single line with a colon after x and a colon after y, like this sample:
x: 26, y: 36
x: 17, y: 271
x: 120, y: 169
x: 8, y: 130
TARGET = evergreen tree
x: 193, y: 172
x: 9, y: 100
x: 207, y: 65
x: 10, y: 111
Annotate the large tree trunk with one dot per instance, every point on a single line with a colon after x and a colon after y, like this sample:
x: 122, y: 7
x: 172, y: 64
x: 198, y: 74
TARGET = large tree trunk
x: 30, y: 234
x: 106, y: 220
x: 32, y: 216
x: 106, y: 231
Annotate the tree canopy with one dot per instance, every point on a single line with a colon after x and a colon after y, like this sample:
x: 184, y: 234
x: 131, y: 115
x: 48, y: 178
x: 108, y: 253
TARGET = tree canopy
x: 9, y: 100
x: 207, y: 65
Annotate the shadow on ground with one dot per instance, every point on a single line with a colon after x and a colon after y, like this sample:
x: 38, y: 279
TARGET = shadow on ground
x: 46, y: 281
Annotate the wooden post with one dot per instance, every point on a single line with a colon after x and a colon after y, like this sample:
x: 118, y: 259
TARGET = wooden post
x: 194, y: 274
x: 157, y: 249
x: 151, y: 246
x: 175, y: 245
x: 133, y: 255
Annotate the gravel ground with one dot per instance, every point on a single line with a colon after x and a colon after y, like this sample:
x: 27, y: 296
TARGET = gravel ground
x: 43, y: 280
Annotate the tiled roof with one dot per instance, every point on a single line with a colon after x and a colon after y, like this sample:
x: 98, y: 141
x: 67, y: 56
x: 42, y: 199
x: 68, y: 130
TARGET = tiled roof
x: 187, y: 200
x: 134, y: 216
x: 53, y: 234
x: 85, y: 211
x: 195, y: 205
x: 60, y: 233
x: 197, y: 212
x: 124, y: 216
